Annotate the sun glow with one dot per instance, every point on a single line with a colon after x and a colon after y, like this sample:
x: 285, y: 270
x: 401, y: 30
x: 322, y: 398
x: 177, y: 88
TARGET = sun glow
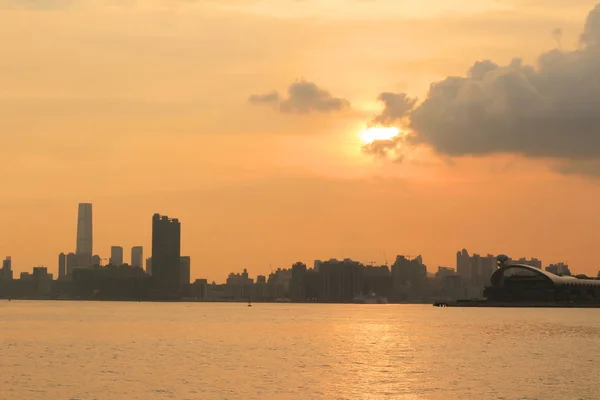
x: 370, y: 135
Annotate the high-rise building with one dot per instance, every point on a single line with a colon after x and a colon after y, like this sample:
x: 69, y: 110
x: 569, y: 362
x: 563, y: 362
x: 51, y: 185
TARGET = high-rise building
x: 463, y: 265
x: 149, y: 266
x: 116, y: 255
x: 6, y: 271
x: 71, y: 263
x: 317, y: 264
x: 62, y: 265
x: 534, y: 262
x: 137, y: 256
x: 185, y: 264
x: 84, y: 248
x: 166, y: 253
x: 559, y: 269
x: 96, y: 260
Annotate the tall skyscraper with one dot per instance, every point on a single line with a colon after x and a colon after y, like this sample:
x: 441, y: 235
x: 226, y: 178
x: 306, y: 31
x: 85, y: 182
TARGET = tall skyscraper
x: 116, y: 255
x: 166, y: 253
x: 62, y: 265
x: 185, y: 264
x: 84, y: 249
x: 137, y: 256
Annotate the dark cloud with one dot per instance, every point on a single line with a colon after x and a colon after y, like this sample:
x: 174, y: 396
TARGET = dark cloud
x: 269, y: 98
x: 551, y: 110
x: 302, y: 98
x: 396, y: 107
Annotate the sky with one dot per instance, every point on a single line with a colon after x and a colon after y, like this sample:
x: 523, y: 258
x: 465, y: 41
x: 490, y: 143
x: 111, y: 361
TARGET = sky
x: 243, y: 119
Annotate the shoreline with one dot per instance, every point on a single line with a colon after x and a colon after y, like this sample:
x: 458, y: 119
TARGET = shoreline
x: 484, y: 304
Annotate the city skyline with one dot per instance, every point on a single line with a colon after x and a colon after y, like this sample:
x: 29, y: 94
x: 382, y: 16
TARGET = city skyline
x: 262, y: 142
x: 168, y: 277
x: 168, y: 248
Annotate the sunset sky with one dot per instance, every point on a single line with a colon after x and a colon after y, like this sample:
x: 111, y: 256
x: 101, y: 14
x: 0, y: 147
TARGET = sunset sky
x: 243, y: 119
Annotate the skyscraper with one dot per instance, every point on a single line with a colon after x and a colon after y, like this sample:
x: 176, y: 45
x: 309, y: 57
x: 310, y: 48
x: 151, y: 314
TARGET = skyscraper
x: 185, y: 267
x: 84, y: 249
x: 137, y: 256
x: 6, y: 271
x: 166, y: 253
x: 116, y: 255
x: 62, y: 265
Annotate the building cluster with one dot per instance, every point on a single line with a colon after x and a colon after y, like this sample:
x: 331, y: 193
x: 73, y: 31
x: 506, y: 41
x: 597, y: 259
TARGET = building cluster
x: 83, y: 275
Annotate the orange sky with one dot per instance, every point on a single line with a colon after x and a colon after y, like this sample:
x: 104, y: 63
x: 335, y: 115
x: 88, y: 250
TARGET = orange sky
x: 142, y: 107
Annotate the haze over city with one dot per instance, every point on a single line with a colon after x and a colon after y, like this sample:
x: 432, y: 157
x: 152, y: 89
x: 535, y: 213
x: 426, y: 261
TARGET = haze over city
x: 249, y: 121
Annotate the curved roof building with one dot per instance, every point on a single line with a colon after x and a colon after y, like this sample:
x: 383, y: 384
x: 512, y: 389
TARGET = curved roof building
x: 524, y: 283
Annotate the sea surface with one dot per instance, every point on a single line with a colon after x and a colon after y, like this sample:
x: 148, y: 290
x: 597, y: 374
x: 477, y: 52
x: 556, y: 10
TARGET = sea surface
x: 59, y: 350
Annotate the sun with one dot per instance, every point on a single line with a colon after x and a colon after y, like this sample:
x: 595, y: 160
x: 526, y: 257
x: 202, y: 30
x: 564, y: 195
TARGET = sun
x: 369, y: 135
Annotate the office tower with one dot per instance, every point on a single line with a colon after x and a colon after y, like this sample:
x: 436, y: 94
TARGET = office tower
x: 96, y: 261
x: 62, y: 265
x: 185, y: 267
x: 7, y: 272
x: 71, y: 263
x: 84, y: 229
x: 137, y: 256
x: 149, y: 266
x: 166, y: 253
x: 116, y: 255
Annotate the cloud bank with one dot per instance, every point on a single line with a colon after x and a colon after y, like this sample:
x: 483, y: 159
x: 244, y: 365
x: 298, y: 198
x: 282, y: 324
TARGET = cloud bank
x: 549, y: 110
x: 302, y: 98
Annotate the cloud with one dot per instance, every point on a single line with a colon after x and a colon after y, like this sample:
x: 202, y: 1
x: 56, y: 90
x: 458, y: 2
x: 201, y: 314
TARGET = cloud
x: 385, y: 148
x: 269, y: 98
x: 549, y: 110
x: 302, y: 98
x: 36, y: 4
x: 396, y: 107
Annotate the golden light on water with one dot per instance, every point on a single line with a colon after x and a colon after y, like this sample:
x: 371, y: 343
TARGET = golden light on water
x: 369, y: 135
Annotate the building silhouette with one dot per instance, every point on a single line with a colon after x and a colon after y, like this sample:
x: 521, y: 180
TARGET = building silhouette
x: 116, y: 255
x: 166, y: 255
x: 62, y: 266
x: 96, y: 261
x: 185, y: 264
x: 6, y: 272
x: 463, y: 265
x: 137, y: 256
x: 84, y: 248
x: 560, y: 269
x: 340, y: 281
x: 149, y: 266
x: 71, y: 263
x: 408, y: 277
